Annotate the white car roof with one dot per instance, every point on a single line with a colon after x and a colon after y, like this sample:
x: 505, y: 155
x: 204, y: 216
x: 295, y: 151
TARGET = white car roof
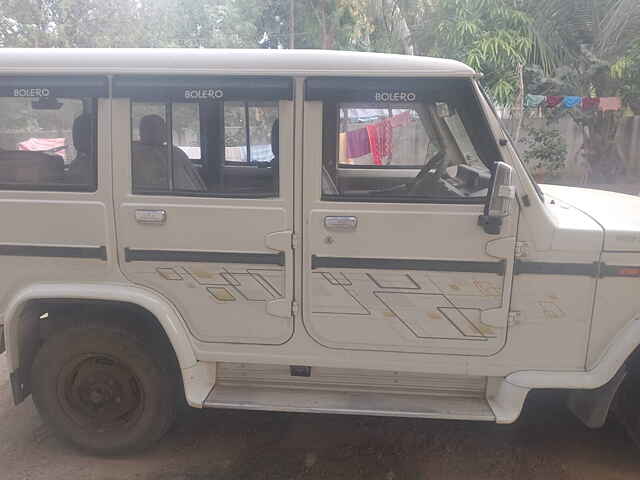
x: 39, y: 61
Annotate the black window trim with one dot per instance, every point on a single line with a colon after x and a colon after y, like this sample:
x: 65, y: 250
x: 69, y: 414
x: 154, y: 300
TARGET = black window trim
x: 349, y: 166
x: 59, y: 86
x: 194, y: 194
x: 383, y: 199
x: 60, y: 187
x: 171, y: 88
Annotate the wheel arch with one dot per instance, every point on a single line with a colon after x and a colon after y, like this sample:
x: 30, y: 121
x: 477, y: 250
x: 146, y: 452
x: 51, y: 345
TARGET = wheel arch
x: 592, y: 391
x: 22, y: 326
x: 616, y: 355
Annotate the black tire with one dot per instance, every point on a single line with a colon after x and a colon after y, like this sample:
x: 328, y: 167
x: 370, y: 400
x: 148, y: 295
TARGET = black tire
x: 105, y: 388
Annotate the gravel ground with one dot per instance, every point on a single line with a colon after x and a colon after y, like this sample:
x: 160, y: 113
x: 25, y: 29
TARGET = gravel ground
x: 546, y: 443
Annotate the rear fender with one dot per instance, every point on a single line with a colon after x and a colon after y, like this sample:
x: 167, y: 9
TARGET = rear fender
x: 197, y: 378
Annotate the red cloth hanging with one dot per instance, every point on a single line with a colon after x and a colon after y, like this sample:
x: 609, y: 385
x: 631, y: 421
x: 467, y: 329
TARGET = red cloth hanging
x: 554, y: 100
x: 401, y: 120
x: 610, y: 104
x: 589, y: 103
x: 380, y: 138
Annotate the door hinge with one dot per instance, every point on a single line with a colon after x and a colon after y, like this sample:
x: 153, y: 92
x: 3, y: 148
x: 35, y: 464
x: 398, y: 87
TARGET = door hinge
x: 514, y: 317
x: 294, y: 241
x: 294, y: 309
x: 522, y: 249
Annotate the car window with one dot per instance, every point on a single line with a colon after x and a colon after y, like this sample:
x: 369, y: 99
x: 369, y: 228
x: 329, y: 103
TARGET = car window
x: 222, y: 148
x: 48, y: 143
x: 383, y: 137
x: 205, y: 135
x: 412, y: 141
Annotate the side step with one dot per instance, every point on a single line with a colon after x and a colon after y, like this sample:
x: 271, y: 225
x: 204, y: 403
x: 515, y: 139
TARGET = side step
x: 350, y: 391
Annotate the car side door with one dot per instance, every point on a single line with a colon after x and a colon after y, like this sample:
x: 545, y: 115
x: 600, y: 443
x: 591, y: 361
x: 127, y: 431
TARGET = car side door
x: 394, y: 256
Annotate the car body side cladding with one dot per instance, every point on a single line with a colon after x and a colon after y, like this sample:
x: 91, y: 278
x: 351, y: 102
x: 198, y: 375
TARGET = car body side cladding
x: 197, y: 379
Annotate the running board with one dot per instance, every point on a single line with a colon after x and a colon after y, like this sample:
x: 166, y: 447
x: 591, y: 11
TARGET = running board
x: 260, y: 387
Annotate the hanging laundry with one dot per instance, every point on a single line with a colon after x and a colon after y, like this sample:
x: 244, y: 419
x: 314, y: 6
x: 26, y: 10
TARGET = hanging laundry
x: 235, y: 154
x: 380, y: 138
x: 590, y: 103
x: 571, y: 101
x: 343, y: 157
x: 401, y: 120
x: 554, y: 100
x: 534, y: 101
x: 610, y: 104
x: 358, y: 143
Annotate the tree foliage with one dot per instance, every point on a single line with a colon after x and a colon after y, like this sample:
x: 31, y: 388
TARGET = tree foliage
x: 566, y: 47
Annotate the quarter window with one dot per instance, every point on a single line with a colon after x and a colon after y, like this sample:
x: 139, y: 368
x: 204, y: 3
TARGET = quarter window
x: 48, y: 143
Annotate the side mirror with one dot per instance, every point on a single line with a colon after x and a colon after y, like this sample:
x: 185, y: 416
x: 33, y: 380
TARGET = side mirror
x: 499, y: 202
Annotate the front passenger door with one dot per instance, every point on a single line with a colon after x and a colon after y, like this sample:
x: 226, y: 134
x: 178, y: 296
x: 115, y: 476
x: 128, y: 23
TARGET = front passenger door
x: 394, y: 258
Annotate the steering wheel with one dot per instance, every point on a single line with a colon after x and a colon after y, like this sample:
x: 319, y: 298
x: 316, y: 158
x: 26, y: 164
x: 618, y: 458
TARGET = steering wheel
x: 427, y: 178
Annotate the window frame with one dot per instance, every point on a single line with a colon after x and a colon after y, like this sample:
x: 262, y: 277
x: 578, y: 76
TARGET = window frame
x: 331, y: 128
x: 92, y: 185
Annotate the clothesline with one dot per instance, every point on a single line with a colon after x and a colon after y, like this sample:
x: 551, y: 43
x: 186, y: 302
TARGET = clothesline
x: 589, y: 104
x: 375, y: 139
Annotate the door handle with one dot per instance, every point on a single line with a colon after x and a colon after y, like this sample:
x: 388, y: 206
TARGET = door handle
x: 340, y: 223
x: 151, y: 216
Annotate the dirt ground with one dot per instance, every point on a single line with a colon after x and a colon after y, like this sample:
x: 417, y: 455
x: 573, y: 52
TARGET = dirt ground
x: 546, y: 443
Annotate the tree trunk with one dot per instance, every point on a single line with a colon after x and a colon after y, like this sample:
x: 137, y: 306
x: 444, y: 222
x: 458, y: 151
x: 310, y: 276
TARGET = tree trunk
x: 326, y: 17
x: 601, y: 148
x: 400, y: 25
x: 518, y: 106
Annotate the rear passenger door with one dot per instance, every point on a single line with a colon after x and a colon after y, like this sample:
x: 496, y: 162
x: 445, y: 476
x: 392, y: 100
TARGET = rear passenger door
x: 394, y: 258
x: 204, y: 200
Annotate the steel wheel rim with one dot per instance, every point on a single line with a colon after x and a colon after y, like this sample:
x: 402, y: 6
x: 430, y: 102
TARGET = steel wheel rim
x: 100, y: 393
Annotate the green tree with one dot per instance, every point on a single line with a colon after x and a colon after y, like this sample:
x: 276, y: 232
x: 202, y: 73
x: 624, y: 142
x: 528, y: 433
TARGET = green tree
x: 496, y: 37
x: 596, y: 43
x: 68, y: 23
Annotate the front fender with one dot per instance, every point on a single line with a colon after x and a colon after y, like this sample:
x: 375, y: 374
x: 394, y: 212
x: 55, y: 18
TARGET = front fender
x: 613, y: 359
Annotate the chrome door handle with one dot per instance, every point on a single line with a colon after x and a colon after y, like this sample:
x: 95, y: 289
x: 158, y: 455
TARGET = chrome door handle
x: 340, y: 223
x: 151, y: 216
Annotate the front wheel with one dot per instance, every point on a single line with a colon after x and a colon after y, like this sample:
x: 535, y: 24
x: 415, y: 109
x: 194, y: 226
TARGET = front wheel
x: 103, y: 388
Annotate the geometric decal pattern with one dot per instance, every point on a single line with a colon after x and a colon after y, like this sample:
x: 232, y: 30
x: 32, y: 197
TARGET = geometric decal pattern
x: 430, y: 305
x: 224, y: 285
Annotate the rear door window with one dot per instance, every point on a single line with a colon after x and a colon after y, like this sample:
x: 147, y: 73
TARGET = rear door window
x: 205, y: 136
